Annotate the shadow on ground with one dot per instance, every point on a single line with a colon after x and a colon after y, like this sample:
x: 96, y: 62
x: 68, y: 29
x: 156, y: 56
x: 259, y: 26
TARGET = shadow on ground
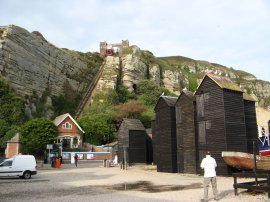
x: 146, y: 186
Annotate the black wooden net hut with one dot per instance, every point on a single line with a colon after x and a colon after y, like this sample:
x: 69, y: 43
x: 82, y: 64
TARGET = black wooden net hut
x: 132, y: 137
x: 164, y: 136
x: 220, y: 119
x: 149, y: 147
x: 185, y: 132
x: 154, y: 141
x: 251, y: 123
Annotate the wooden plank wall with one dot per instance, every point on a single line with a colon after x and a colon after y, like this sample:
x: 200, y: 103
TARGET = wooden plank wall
x: 137, y: 147
x: 251, y: 126
x: 186, y: 147
x: 154, y: 141
x: 165, y: 140
x: 213, y: 124
x: 123, y: 141
x: 149, y: 151
x: 235, y: 121
x: 223, y: 122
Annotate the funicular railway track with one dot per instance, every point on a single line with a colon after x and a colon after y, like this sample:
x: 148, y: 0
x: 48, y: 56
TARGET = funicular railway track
x: 89, y: 92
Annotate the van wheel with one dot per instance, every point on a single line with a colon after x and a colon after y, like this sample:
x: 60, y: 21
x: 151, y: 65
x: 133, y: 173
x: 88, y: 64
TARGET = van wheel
x: 27, y: 175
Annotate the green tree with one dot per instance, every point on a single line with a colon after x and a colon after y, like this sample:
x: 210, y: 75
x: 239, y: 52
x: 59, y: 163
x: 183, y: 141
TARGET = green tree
x: 4, y: 87
x: 193, y: 84
x: 97, y: 120
x: 36, y: 134
x: 12, y: 109
x: 4, y: 127
x: 11, y: 112
x: 149, y: 92
x: 147, y: 117
x: 99, y: 128
x: 67, y: 102
x: 10, y: 133
x: 123, y: 94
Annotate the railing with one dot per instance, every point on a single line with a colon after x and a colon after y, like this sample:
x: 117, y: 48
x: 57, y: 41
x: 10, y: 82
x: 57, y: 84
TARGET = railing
x: 89, y: 92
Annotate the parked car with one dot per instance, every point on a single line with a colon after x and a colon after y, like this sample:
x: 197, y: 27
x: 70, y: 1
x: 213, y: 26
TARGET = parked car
x: 23, y: 166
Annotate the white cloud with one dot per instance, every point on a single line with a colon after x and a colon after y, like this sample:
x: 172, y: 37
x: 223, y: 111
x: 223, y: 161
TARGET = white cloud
x: 228, y: 32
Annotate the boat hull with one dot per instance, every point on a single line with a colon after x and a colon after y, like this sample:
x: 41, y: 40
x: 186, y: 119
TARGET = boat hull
x: 245, y: 161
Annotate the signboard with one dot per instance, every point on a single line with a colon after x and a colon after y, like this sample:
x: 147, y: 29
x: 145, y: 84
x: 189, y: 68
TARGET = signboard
x: 65, y: 156
x: 90, y: 156
x: 49, y: 146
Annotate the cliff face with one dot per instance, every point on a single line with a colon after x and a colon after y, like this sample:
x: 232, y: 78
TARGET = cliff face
x: 133, y: 70
x: 127, y: 69
x: 34, y: 66
x: 30, y: 63
x: 174, y: 73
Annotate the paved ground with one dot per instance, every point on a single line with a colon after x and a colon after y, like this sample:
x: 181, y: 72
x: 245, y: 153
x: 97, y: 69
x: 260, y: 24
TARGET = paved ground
x: 93, y: 182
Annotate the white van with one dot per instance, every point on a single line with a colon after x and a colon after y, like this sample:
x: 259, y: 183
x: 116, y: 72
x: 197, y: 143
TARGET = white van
x: 23, y: 166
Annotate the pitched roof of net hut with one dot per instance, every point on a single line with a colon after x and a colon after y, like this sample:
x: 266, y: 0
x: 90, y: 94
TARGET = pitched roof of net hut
x: 223, y: 82
x: 133, y: 124
x: 249, y: 97
x: 170, y: 101
x: 189, y: 94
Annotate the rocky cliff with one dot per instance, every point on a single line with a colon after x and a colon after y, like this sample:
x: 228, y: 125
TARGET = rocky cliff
x: 35, y: 66
x: 32, y: 65
x: 174, y: 73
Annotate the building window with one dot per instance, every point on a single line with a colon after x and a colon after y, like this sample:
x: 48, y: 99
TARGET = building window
x: 67, y: 125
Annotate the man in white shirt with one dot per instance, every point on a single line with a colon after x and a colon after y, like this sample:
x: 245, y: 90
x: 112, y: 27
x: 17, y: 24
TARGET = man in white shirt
x: 209, y: 165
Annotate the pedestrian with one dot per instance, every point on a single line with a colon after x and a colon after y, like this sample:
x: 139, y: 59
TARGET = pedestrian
x: 263, y: 132
x: 76, y: 159
x: 61, y: 159
x: 209, y: 165
x: 115, y: 161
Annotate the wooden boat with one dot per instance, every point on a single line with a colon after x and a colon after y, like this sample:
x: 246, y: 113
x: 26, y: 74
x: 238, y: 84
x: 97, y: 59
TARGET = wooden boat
x: 245, y: 161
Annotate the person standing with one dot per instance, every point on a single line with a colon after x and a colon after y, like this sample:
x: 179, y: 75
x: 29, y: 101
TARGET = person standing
x: 76, y: 159
x: 209, y: 165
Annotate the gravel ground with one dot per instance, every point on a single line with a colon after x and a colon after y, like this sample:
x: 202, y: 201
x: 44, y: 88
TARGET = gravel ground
x: 92, y: 182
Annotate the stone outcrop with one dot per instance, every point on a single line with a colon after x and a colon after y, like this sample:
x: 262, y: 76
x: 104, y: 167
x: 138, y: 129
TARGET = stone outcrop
x: 36, y: 68
x: 155, y: 73
x: 133, y: 70
x: 31, y: 64
x: 171, y: 81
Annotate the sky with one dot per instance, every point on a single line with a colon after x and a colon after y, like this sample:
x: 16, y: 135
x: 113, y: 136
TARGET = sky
x: 234, y: 33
